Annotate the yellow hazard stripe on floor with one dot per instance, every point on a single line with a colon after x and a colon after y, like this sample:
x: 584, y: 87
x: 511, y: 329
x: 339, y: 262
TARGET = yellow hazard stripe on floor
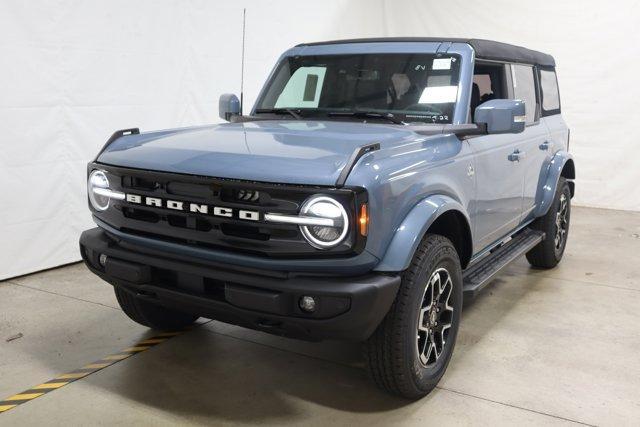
x: 117, y: 357
x: 153, y: 341
x: 97, y: 365
x: 73, y: 375
x: 137, y: 349
x: 47, y: 386
x: 24, y: 396
x: 64, y: 379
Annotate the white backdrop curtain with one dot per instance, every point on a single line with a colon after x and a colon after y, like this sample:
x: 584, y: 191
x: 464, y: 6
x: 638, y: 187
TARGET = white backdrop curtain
x: 597, y: 50
x: 72, y: 72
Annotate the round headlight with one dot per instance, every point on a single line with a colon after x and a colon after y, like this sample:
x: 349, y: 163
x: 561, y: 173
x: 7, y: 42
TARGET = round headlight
x: 98, y: 181
x: 322, y: 236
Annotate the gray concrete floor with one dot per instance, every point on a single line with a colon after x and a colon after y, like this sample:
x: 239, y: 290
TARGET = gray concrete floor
x: 537, y: 347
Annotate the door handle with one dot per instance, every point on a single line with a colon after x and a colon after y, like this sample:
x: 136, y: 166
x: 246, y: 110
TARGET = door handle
x: 544, y: 145
x: 516, y: 156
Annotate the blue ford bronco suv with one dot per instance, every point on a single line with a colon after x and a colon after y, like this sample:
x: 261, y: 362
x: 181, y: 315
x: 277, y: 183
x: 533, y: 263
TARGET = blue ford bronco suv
x: 375, y: 185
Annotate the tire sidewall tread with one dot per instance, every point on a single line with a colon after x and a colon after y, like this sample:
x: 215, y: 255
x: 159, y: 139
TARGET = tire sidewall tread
x: 544, y: 254
x: 390, y: 353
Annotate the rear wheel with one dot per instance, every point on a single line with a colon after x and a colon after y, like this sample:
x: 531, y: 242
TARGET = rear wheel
x: 555, y: 225
x: 152, y: 315
x: 410, y: 350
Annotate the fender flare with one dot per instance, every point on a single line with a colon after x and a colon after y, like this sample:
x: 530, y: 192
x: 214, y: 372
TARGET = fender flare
x: 546, y: 192
x: 410, y: 232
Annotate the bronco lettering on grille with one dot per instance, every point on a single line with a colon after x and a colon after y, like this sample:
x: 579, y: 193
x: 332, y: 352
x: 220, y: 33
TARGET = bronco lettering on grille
x: 200, y: 208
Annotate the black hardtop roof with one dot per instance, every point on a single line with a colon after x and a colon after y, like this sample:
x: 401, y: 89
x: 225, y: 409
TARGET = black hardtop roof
x: 485, y: 49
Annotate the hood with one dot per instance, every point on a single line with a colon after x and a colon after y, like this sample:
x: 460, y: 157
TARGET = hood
x: 295, y: 152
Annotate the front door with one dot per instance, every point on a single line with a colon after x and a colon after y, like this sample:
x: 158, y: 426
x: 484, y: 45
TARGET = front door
x: 499, y: 181
x: 498, y: 169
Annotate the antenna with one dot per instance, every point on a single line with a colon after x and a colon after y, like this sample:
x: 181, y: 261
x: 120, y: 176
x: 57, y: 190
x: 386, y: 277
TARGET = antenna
x: 244, y: 16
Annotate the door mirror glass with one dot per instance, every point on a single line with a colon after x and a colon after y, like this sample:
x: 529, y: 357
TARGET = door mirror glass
x: 228, y: 106
x: 501, y: 115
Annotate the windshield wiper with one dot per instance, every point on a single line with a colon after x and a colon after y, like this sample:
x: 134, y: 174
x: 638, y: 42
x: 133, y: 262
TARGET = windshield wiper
x: 366, y: 114
x: 294, y: 113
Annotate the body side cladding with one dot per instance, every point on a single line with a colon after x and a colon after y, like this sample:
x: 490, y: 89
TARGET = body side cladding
x: 408, y: 235
x: 561, y: 165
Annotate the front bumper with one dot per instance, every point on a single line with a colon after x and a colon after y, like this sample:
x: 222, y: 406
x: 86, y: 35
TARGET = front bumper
x: 267, y: 300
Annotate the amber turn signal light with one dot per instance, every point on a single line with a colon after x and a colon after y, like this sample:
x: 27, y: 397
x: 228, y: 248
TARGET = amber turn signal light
x: 364, y: 220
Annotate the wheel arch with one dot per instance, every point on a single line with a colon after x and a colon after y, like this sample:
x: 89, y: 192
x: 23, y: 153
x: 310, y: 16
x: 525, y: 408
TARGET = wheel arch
x: 569, y: 172
x: 437, y: 214
x: 561, y: 165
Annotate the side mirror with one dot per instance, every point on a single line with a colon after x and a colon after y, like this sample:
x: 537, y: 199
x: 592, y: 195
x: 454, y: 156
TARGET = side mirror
x: 501, y: 115
x: 228, y: 105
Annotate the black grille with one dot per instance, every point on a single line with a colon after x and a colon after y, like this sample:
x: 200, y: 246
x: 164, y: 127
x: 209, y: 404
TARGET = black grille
x: 206, y: 230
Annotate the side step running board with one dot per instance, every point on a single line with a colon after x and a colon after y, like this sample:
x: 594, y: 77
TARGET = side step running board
x: 480, y: 274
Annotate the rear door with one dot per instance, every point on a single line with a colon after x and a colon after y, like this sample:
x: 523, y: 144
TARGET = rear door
x: 551, y: 117
x: 534, y: 147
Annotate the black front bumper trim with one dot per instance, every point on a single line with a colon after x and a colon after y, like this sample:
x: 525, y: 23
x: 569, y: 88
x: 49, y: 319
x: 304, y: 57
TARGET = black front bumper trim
x: 347, y: 307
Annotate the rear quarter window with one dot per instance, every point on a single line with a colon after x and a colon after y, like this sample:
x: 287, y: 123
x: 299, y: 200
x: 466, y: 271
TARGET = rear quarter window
x: 550, y: 92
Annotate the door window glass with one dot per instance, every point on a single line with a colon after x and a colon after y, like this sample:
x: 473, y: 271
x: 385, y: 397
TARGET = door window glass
x: 488, y: 83
x: 524, y: 89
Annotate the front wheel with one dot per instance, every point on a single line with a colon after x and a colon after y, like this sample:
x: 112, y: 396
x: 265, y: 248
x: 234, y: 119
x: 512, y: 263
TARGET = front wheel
x: 410, y: 350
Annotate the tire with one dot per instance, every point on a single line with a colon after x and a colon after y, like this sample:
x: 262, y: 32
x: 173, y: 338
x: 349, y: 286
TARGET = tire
x: 392, y: 353
x: 555, y: 225
x: 152, y: 315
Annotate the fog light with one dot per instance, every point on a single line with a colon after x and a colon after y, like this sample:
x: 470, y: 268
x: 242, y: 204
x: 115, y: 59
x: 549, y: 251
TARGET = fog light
x: 307, y: 304
x: 102, y: 259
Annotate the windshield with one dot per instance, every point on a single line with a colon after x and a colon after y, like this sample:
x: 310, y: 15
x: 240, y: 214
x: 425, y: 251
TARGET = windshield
x: 410, y: 87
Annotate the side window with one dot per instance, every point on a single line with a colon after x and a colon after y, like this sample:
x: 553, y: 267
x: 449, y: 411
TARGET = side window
x: 550, y: 93
x: 488, y: 83
x: 303, y: 88
x: 524, y: 88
